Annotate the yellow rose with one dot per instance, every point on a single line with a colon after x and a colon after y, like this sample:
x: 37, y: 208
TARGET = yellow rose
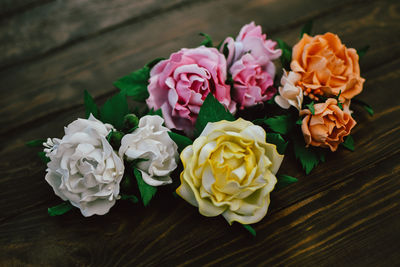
x: 230, y: 170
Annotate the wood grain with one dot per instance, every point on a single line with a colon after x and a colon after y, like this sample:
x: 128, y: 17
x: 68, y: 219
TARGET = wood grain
x: 10, y: 8
x: 345, y: 213
x: 57, y: 82
x: 48, y: 27
x: 324, y: 228
x: 376, y: 130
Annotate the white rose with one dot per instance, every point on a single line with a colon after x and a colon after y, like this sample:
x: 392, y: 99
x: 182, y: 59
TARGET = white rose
x: 151, y: 141
x: 289, y: 93
x: 84, y: 168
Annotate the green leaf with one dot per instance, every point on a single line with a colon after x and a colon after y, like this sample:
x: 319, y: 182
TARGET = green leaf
x: 207, y: 40
x: 249, y: 229
x: 114, y: 138
x: 147, y: 192
x: 43, y: 157
x: 277, y: 140
x: 306, y: 28
x: 284, y: 180
x: 340, y: 105
x: 308, y: 157
x: 280, y: 124
x: 225, y: 51
x: 154, y: 62
x: 35, y: 143
x: 135, y: 162
x: 131, y: 198
x: 211, y: 111
x: 349, y: 143
x: 135, y: 84
x: 367, y: 107
x: 180, y: 140
x: 114, y: 110
x: 311, y: 107
x: 299, y: 122
x: 362, y: 51
x: 286, y: 56
x: 60, y: 209
x: 90, y: 105
x: 157, y: 112
x: 175, y: 194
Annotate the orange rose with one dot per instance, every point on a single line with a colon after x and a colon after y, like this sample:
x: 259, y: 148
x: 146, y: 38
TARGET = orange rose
x: 327, y: 67
x: 328, y: 126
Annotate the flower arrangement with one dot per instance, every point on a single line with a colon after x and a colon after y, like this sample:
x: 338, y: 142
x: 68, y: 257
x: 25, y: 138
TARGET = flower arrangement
x: 218, y: 116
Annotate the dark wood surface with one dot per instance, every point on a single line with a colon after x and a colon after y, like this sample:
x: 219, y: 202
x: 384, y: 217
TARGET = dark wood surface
x: 345, y: 213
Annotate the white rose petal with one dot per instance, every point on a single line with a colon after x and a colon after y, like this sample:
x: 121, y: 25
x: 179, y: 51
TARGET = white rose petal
x: 151, y: 141
x: 289, y: 93
x: 84, y: 168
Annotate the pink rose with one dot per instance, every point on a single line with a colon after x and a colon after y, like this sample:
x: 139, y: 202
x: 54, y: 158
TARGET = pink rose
x: 250, y: 64
x: 180, y: 84
x: 251, y: 40
x: 253, y: 84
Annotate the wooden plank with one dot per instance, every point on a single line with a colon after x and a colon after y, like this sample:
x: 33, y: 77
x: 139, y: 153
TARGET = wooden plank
x: 56, y: 82
x: 371, y: 136
x: 12, y: 7
x: 352, y: 223
x: 47, y: 27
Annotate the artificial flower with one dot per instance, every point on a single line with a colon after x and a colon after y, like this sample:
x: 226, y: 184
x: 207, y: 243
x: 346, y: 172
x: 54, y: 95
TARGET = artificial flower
x: 157, y: 152
x: 83, y: 167
x: 327, y: 67
x: 252, y: 83
x: 180, y: 84
x: 328, y: 126
x: 289, y: 93
x: 250, y: 63
x: 230, y: 170
x: 251, y: 40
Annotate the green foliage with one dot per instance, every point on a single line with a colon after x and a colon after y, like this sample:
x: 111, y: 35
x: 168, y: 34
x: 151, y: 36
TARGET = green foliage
x: 286, y: 57
x: 211, y: 111
x: 155, y: 112
x: 311, y: 107
x: 114, y: 138
x: 60, y: 209
x: 35, y: 143
x: 180, y: 140
x: 250, y: 229
x: 90, y: 105
x: 207, y: 40
x: 135, y: 162
x: 367, y: 107
x: 225, y: 50
x: 130, y: 121
x: 131, y: 198
x: 114, y: 110
x: 277, y: 139
x: 349, y: 143
x: 147, y: 192
x: 154, y: 62
x: 340, y: 105
x: 308, y: 157
x: 284, y: 180
x: 306, y: 28
x: 135, y: 84
x: 280, y: 124
x: 362, y: 51
x: 43, y: 157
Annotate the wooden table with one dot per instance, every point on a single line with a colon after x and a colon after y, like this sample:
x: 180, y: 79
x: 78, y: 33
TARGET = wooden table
x: 346, y: 212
